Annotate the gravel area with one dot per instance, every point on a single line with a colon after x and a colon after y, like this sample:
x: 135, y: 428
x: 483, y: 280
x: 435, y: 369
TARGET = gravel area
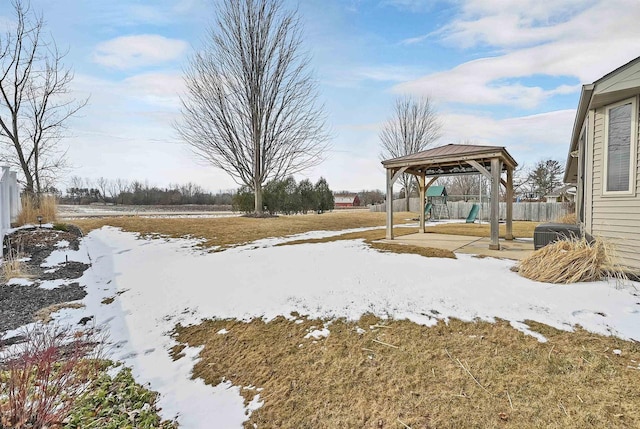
x: 20, y: 304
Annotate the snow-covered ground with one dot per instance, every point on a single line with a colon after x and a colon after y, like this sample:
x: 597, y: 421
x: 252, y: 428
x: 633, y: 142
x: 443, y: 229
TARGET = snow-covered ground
x: 158, y: 283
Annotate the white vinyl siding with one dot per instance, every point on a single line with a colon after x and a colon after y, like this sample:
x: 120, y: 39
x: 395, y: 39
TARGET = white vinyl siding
x: 614, y: 216
x: 619, y: 148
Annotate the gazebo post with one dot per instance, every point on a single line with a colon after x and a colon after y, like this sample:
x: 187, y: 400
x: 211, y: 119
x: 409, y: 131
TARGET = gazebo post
x: 495, y: 203
x: 389, y: 204
x: 509, y: 234
x: 421, y: 180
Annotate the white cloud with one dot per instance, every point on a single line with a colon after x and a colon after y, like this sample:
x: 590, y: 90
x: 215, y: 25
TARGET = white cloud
x: 386, y: 73
x: 129, y: 52
x: 157, y: 88
x: 527, y: 138
x: 585, y: 46
x: 510, y: 24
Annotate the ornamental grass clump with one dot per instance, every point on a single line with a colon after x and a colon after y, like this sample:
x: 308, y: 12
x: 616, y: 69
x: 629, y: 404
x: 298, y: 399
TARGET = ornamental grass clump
x: 572, y: 261
x: 44, y: 206
x: 12, y: 266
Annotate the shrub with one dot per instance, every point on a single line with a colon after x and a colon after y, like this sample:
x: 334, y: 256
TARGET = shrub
x: 61, y: 227
x: 117, y: 402
x: 41, y: 378
x: 243, y: 200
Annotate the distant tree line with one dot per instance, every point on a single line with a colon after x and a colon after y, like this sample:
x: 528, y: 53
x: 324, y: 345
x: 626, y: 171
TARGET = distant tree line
x: 287, y: 197
x: 119, y: 191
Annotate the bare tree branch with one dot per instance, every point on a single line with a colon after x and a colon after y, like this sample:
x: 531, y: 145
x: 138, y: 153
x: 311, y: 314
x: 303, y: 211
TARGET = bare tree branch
x: 251, y: 106
x: 35, y: 100
x: 413, y: 127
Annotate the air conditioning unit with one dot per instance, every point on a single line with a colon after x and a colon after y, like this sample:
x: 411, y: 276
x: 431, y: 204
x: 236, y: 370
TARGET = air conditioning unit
x: 547, y: 233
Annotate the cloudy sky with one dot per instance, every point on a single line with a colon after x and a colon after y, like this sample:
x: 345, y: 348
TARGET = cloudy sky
x: 502, y: 72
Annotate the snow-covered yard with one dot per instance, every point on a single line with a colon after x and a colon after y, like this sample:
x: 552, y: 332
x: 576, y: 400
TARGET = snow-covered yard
x: 158, y: 283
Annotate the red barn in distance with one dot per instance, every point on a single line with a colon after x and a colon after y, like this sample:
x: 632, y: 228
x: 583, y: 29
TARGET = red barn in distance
x: 346, y: 200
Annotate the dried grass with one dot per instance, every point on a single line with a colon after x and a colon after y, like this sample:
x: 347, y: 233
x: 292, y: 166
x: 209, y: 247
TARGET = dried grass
x: 452, y: 375
x: 570, y: 219
x: 429, y: 252
x: 30, y: 210
x: 231, y: 231
x: 371, y: 239
x: 571, y: 261
x: 13, y: 266
x: 44, y: 314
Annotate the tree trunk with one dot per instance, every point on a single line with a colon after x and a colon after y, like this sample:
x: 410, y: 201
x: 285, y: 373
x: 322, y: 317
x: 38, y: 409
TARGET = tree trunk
x: 258, y: 198
x: 406, y: 197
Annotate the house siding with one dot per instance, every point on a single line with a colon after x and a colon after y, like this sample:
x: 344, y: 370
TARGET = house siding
x: 615, y: 218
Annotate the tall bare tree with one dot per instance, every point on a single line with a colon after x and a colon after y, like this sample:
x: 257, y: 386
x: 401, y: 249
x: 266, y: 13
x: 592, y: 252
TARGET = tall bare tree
x: 251, y: 106
x: 413, y: 127
x: 35, y: 101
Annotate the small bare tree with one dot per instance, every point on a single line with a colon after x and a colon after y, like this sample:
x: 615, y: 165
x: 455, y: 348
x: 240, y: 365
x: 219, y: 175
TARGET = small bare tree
x: 413, y: 127
x: 35, y: 102
x: 251, y: 105
x: 103, y: 184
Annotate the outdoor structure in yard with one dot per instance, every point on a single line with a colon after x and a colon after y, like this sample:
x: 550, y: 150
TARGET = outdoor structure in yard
x: 437, y: 196
x: 456, y: 159
x: 346, y: 200
x: 603, y: 161
x: 9, y: 200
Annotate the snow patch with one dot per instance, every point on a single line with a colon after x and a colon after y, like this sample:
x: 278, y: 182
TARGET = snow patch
x: 318, y: 333
x: 19, y: 281
x: 62, y: 244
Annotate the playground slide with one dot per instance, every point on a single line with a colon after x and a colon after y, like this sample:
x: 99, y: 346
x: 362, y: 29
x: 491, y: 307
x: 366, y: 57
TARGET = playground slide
x: 473, y: 213
x: 427, y: 210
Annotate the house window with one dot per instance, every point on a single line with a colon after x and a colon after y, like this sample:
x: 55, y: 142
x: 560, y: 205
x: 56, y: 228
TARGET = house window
x: 620, y: 144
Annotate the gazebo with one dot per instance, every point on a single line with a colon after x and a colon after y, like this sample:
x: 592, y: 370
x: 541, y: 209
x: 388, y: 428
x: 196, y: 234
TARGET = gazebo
x: 456, y: 159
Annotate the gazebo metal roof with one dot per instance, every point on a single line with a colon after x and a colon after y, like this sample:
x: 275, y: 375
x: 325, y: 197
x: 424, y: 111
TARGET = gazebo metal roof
x: 452, y: 159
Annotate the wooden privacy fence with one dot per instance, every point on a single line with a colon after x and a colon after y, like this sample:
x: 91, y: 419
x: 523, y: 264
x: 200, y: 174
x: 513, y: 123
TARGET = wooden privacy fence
x: 532, y: 211
x: 9, y: 200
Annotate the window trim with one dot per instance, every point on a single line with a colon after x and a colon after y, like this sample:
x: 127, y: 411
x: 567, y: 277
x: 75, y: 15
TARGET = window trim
x: 633, y: 143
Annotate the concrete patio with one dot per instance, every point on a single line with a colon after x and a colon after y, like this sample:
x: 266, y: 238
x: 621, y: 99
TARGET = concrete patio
x: 516, y: 249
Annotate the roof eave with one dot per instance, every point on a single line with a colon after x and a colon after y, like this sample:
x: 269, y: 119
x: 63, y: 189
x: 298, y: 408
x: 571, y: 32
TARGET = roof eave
x: 583, y: 107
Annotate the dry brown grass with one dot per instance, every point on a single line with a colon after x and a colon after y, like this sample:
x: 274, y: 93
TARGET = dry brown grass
x: 429, y: 252
x: 371, y: 239
x: 521, y: 229
x: 13, y: 267
x: 570, y: 219
x: 30, y: 211
x: 455, y: 375
x: 44, y: 314
x: 227, y: 232
x: 571, y: 261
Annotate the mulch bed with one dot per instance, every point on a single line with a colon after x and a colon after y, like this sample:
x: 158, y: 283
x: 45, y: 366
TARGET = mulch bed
x: 18, y: 303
